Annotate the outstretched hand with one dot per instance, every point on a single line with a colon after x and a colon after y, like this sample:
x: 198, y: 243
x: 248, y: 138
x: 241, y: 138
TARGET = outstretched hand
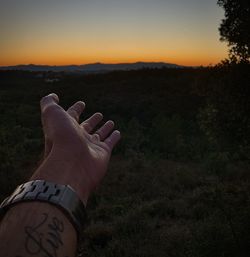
x: 77, y: 152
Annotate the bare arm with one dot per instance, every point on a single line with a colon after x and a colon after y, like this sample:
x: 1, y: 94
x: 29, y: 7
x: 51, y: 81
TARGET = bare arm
x: 76, y: 155
x: 37, y: 229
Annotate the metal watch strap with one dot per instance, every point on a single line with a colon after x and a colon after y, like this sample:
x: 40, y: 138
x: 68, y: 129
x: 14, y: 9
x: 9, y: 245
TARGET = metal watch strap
x: 62, y: 196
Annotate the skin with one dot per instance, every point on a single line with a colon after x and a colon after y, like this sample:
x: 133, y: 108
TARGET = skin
x: 76, y: 154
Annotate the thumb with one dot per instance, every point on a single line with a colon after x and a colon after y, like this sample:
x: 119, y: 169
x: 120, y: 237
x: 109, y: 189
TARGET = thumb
x: 46, y: 103
x: 49, y: 100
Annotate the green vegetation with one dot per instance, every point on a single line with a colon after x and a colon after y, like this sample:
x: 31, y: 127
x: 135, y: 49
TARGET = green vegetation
x: 179, y: 181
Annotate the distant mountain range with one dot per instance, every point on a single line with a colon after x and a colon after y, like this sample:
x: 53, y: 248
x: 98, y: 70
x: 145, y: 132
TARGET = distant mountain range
x: 92, y: 68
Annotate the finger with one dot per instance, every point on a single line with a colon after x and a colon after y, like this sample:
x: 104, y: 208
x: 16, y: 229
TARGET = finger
x: 113, y: 139
x: 76, y: 110
x: 96, y: 138
x: 105, y: 130
x: 51, y: 99
x: 92, y: 122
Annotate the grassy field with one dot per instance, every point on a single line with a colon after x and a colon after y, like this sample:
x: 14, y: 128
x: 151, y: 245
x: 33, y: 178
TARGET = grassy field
x: 178, y: 183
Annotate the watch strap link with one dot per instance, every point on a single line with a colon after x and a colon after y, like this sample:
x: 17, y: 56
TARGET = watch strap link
x: 62, y: 196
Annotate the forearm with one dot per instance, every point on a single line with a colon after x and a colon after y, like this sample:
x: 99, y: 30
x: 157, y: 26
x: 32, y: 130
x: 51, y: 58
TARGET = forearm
x: 76, y: 159
x: 64, y: 169
x: 42, y: 229
x: 37, y: 229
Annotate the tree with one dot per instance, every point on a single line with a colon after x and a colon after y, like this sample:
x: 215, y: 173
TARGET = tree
x: 235, y: 28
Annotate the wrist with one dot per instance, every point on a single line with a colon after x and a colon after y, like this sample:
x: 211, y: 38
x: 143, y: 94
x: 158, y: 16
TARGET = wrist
x: 61, y: 196
x: 66, y: 170
x: 33, y: 226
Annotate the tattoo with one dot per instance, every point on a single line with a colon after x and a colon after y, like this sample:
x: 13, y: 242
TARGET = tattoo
x: 43, y: 242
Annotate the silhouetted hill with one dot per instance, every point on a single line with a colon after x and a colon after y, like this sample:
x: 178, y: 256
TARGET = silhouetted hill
x: 93, y: 68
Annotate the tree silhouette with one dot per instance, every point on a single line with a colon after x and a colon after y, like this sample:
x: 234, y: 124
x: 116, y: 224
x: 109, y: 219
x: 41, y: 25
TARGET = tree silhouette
x: 235, y: 28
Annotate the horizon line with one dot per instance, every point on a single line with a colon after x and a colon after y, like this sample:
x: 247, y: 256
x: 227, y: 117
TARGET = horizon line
x: 92, y: 63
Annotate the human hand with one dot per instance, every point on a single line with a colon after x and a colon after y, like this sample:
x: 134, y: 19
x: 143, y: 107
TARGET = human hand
x: 75, y: 153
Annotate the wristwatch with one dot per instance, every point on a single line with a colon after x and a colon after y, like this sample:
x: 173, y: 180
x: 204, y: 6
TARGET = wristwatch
x: 62, y: 196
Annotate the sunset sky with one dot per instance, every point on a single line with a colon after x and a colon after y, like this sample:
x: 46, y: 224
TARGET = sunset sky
x: 59, y: 32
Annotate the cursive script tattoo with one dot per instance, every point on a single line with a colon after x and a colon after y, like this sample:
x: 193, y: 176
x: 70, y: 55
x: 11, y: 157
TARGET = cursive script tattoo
x: 45, y: 237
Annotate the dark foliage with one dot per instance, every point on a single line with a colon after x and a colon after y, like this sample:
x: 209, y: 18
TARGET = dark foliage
x: 235, y: 28
x: 179, y: 182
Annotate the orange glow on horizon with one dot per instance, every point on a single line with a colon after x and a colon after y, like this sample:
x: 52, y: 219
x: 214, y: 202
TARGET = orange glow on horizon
x: 57, y: 53
x: 61, y: 51
x: 115, y: 61
x: 185, y: 60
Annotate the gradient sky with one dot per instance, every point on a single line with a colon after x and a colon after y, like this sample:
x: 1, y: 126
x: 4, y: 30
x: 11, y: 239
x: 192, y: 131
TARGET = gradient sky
x: 86, y: 31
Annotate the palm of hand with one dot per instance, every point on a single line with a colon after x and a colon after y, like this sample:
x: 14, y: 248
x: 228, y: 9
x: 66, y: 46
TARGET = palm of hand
x: 64, y: 134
